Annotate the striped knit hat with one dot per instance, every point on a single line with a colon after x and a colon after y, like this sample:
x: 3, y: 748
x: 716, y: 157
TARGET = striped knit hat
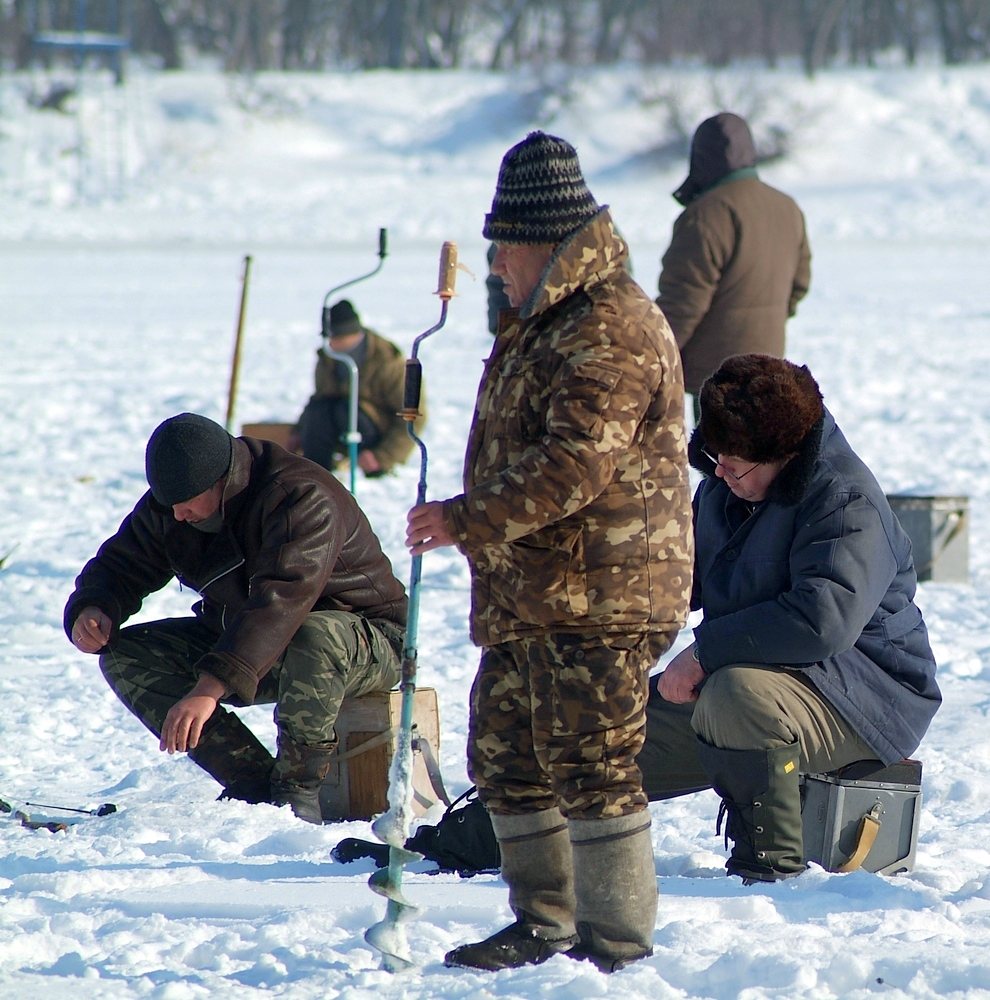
x: 541, y: 195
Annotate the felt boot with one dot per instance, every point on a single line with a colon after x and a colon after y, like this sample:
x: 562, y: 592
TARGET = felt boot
x: 615, y: 884
x: 536, y: 866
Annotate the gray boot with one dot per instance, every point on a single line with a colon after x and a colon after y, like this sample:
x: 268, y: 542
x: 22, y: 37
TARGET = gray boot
x: 761, y: 805
x: 229, y: 752
x: 536, y: 866
x: 298, y: 774
x: 615, y: 883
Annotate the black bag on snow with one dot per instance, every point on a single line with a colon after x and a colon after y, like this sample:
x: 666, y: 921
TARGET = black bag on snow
x: 463, y: 841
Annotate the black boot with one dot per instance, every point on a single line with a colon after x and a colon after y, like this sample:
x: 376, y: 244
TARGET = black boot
x: 229, y: 752
x: 761, y: 806
x: 297, y: 776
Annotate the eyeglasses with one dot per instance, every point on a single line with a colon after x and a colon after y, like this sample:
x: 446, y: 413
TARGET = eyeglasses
x: 726, y: 469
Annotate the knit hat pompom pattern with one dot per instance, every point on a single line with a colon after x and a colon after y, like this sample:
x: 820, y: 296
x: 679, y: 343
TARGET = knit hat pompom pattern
x: 541, y: 195
x: 186, y: 455
x: 759, y: 408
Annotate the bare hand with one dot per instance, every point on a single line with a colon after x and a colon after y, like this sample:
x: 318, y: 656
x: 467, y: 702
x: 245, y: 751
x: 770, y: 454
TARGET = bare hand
x: 681, y: 679
x: 91, y: 630
x: 426, y: 528
x: 367, y: 462
x: 184, y: 723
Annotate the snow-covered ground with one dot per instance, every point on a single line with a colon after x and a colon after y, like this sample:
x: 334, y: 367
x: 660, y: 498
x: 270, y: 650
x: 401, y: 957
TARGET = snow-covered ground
x: 123, y: 231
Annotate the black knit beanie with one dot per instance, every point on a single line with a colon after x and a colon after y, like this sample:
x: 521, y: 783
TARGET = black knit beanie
x: 541, y: 195
x: 759, y: 408
x: 186, y: 455
x: 344, y: 319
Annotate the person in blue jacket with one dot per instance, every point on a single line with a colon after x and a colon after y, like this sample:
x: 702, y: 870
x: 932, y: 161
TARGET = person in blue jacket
x: 811, y: 653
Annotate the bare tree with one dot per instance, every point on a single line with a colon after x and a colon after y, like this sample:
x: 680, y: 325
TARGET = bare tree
x: 319, y: 34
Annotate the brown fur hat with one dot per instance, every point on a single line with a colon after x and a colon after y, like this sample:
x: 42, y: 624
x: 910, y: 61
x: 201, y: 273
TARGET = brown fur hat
x: 759, y: 408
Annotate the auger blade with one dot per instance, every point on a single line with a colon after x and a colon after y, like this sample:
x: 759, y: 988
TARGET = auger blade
x: 385, y: 885
x: 389, y: 937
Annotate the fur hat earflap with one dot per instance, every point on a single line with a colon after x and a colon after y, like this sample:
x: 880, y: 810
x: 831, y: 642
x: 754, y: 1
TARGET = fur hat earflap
x: 759, y: 408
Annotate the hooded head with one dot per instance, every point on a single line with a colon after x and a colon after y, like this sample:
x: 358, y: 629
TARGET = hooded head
x: 541, y: 195
x: 721, y: 145
x: 759, y: 408
x: 186, y: 455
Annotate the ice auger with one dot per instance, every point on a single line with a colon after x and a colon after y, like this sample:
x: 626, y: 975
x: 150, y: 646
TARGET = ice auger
x: 392, y: 827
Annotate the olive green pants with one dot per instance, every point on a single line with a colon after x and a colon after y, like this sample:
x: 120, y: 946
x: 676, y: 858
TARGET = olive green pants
x: 743, y: 707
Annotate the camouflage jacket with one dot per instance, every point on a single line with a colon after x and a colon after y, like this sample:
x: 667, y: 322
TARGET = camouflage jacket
x: 381, y: 386
x: 576, y: 512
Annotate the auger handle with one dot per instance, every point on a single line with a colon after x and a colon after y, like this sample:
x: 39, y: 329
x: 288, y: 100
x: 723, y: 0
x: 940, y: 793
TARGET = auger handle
x: 448, y: 271
x: 413, y: 389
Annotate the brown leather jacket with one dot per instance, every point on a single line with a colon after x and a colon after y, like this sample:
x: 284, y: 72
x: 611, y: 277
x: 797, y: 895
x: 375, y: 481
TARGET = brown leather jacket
x: 293, y: 541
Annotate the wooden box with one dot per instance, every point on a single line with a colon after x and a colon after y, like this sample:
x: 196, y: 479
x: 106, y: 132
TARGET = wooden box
x: 357, y: 785
x: 279, y: 433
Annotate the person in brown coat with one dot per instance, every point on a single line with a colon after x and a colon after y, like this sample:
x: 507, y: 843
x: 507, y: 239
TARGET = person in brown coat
x: 738, y: 261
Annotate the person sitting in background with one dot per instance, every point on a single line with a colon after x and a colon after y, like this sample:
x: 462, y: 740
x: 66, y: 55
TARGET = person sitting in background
x: 321, y: 431
x: 811, y: 653
x: 738, y: 261
x: 299, y: 607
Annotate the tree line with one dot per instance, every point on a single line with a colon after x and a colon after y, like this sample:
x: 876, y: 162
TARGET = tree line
x: 314, y: 35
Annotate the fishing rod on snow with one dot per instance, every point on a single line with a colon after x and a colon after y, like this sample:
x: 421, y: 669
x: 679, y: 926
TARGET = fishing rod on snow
x: 392, y: 827
x: 353, y: 434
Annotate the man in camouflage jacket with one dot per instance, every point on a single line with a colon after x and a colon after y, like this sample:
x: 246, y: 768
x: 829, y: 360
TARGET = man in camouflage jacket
x: 576, y: 523
x: 299, y: 606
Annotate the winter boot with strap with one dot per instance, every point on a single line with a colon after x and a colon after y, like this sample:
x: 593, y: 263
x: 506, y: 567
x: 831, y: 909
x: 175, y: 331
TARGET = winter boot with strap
x: 537, y: 867
x: 298, y: 774
x: 761, y: 806
x: 229, y: 752
x: 615, y: 883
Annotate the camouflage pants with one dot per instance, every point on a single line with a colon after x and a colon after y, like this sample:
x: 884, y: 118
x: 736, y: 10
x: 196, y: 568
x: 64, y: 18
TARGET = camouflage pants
x: 558, y: 720
x: 334, y: 655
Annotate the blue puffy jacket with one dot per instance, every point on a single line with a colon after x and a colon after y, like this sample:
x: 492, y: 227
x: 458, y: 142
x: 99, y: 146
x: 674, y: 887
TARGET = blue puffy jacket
x: 819, y: 578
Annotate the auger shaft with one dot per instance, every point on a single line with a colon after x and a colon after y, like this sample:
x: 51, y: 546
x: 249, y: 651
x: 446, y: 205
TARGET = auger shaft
x: 392, y: 827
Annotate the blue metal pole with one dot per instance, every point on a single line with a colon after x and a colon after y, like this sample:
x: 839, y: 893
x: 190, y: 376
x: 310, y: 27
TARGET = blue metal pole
x: 392, y: 827
x: 353, y: 434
